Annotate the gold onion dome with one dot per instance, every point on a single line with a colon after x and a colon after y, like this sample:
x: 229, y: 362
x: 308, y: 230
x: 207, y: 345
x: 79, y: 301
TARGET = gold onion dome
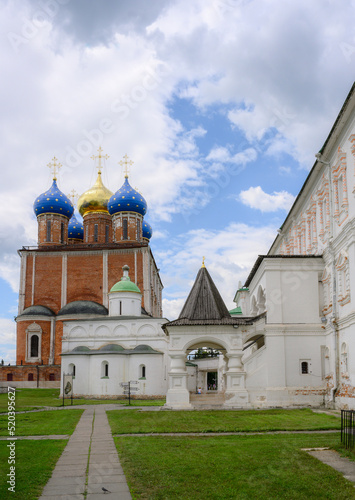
x: 94, y: 199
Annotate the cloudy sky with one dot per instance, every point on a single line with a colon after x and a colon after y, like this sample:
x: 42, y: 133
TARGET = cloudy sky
x: 221, y: 104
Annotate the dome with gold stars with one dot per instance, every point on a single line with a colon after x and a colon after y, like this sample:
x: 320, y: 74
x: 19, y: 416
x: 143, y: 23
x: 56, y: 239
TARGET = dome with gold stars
x: 53, y: 201
x: 147, y: 230
x: 75, y: 229
x: 94, y: 199
x: 127, y: 199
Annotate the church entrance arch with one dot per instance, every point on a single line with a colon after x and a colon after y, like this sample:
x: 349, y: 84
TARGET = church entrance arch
x: 205, y: 367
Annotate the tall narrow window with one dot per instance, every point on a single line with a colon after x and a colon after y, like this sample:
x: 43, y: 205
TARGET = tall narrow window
x: 104, y: 369
x: 34, y: 346
x: 125, y: 229
x: 120, y: 307
x: 62, y: 232
x: 48, y: 230
x: 138, y: 230
x: 304, y: 367
x: 142, y: 371
x: 96, y: 232
x: 107, y: 233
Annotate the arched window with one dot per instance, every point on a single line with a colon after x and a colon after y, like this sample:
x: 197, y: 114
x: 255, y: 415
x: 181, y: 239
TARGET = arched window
x: 71, y: 369
x: 142, y: 371
x: 30, y: 377
x: 62, y: 232
x: 33, y: 342
x: 34, y: 346
x: 51, y: 377
x: 104, y: 369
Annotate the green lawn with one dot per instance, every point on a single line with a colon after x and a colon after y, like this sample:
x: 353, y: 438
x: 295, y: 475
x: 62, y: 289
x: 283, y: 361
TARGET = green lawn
x: 35, y: 461
x: 43, y: 423
x: 29, y: 399
x: 230, y: 467
x: 126, y: 421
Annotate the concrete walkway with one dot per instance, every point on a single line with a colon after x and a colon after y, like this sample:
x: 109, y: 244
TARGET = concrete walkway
x: 333, y: 459
x: 88, y: 463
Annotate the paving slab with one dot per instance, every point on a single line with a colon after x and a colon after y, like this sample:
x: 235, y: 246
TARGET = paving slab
x: 88, y: 463
x: 333, y: 459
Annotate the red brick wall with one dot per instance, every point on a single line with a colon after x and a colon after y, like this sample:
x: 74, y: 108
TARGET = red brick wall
x: 84, y: 277
x: 58, y: 342
x: 20, y: 373
x: 117, y: 261
x: 21, y: 340
x: 48, y: 281
x: 131, y: 226
x: 56, y: 221
x: 102, y: 220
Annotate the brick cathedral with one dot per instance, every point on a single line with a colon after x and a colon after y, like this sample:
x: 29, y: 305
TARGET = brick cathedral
x: 70, y: 272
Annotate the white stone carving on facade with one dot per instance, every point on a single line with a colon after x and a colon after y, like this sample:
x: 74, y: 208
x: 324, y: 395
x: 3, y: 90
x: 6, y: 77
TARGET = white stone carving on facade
x: 340, y: 188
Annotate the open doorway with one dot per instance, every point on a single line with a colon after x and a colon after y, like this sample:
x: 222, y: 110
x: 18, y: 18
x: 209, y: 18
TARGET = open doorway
x: 212, y: 381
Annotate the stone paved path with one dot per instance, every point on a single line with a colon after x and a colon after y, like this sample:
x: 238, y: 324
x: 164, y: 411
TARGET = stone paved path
x: 88, y: 463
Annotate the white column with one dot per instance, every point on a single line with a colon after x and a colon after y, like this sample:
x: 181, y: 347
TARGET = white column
x: 236, y: 394
x: 178, y: 396
x: 21, y: 302
x: 33, y: 279
x: 52, y: 343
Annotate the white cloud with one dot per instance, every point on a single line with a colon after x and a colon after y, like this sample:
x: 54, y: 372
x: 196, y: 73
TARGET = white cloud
x: 230, y: 253
x: 7, y: 340
x: 255, y: 197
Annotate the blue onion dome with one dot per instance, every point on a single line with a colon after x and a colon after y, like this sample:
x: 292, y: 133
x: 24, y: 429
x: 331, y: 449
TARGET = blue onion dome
x: 147, y: 230
x: 94, y: 199
x: 53, y: 201
x: 127, y: 199
x: 75, y: 229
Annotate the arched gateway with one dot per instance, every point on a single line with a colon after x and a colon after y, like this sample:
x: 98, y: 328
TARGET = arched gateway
x: 205, y: 321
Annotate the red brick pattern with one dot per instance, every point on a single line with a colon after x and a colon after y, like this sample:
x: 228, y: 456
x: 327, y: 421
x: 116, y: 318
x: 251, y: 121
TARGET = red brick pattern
x: 102, y: 220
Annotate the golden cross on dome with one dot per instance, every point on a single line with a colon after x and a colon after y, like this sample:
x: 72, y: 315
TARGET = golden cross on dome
x: 72, y: 195
x: 126, y: 164
x: 203, y: 262
x: 54, y: 166
x: 99, y: 157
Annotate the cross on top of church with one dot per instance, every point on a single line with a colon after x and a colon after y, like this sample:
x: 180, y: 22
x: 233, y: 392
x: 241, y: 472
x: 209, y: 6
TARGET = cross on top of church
x: 72, y: 195
x: 126, y: 163
x: 54, y: 166
x: 99, y: 157
x: 203, y: 262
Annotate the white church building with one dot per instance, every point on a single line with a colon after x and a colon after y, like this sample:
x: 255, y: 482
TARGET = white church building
x: 290, y: 341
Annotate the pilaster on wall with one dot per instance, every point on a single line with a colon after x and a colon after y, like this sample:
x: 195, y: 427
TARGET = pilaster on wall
x: 64, y: 280
x: 21, y: 302
x: 105, y: 278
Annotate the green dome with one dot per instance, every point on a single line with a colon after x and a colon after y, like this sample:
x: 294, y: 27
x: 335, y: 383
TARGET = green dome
x: 125, y: 285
